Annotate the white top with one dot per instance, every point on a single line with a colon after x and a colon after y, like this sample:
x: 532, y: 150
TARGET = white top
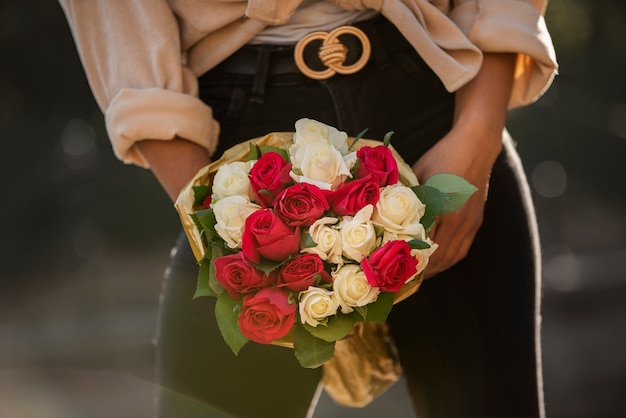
x: 311, y: 15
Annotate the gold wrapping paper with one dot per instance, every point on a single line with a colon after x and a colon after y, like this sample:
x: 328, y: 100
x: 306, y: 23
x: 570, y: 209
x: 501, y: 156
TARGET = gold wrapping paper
x: 364, y: 364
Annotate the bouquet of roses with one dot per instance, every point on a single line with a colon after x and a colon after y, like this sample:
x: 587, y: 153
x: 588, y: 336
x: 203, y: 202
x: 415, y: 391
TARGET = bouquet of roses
x: 301, y: 235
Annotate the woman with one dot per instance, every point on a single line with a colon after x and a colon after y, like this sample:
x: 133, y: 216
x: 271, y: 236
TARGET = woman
x: 181, y: 81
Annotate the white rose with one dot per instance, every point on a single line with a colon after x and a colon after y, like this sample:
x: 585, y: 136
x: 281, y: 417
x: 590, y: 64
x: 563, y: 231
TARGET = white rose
x: 328, y: 240
x: 422, y: 256
x: 308, y: 130
x: 352, y: 288
x: 316, y: 304
x: 232, y: 180
x: 350, y: 160
x: 399, y: 210
x: 231, y: 213
x: 318, y: 163
x: 358, y: 237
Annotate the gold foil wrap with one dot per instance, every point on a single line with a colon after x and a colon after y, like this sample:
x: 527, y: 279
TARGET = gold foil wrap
x: 364, y: 364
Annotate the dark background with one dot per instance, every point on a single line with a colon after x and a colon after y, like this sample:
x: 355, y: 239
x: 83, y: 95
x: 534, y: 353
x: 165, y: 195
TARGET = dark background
x: 84, y: 239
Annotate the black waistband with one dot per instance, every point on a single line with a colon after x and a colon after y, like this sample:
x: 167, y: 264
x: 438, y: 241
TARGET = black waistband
x: 279, y: 59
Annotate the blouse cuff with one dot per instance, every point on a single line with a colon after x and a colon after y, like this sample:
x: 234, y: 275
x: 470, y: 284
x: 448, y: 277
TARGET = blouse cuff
x: 512, y: 26
x: 155, y: 113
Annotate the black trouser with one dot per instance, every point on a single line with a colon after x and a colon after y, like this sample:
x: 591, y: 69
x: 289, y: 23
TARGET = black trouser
x: 466, y: 340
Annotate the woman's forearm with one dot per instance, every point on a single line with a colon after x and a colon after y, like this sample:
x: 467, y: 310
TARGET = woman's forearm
x: 174, y: 163
x: 481, y: 105
x: 470, y: 149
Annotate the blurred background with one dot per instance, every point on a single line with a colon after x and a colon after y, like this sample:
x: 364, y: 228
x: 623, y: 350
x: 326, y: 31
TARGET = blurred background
x: 85, y: 239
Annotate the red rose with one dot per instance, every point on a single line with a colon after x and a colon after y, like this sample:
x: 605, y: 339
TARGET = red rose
x: 266, y: 235
x: 379, y: 162
x: 301, y: 272
x: 353, y: 196
x: 268, y: 176
x: 301, y: 204
x: 239, y: 276
x: 206, y: 203
x: 267, y: 315
x: 390, y: 266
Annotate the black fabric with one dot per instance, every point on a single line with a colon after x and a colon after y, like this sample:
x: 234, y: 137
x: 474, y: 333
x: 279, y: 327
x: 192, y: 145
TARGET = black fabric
x: 466, y: 339
x: 382, y: 35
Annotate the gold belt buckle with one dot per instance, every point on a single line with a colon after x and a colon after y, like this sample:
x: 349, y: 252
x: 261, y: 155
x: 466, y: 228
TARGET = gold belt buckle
x: 332, y: 53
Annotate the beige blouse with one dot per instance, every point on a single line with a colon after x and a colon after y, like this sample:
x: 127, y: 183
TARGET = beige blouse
x: 142, y: 57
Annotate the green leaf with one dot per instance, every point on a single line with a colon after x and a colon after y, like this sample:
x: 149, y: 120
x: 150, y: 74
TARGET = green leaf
x: 206, y: 219
x: 200, y: 193
x: 214, y: 284
x: 418, y: 244
x: 456, y: 187
x: 356, y: 138
x: 268, y: 266
x: 200, y: 228
x: 226, y: 314
x: 283, y: 152
x: 361, y: 311
x: 378, y: 311
x: 306, y: 241
x: 387, y: 138
x: 255, y: 152
x: 310, y: 351
x: 203, y: 288
x: 337, y: 327
x: 434, y: 199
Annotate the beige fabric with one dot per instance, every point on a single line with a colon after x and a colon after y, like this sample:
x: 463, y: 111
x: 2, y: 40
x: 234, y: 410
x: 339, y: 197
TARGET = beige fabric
x: 142, y: 57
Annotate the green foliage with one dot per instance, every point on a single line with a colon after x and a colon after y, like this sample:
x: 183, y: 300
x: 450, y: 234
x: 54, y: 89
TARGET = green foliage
x: 268, y: 266
x: 359, y: 313
x: 200, y: 193
x: 311, y: 351
x: 257, y: 151
x: 379, y: 310
x: 356, y: 138
x: 387, y: 138
x: 283, y: 152
x: 203, y: 288
x: 434, y: 199
x: 418, y: 244
x: 226, y: 314
x: 254, y: 153
x: 306, y: 241
x: 456, y: 187
x: 442, y: 193
x: 214, y: 284
x: 337, y: 327
x: 205, y: 218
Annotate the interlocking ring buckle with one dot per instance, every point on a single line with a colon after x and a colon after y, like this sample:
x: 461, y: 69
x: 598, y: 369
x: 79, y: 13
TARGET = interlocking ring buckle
x: 332, y: 53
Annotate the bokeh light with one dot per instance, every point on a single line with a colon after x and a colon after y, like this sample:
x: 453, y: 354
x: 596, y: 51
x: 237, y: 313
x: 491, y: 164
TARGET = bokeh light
x: 78, y: 142
x: 549, y: 179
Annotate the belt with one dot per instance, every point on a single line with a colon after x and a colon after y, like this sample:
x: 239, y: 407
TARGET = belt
x: 383, y: 38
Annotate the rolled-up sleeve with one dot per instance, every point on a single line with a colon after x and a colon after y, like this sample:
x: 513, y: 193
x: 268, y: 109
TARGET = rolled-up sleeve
x: 516, y: 26
x: 131, y: 53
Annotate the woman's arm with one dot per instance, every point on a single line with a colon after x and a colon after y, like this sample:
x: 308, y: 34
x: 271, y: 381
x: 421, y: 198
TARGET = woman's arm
x: 469, y: 150
x: 174, y: 163
x: 131, y: 53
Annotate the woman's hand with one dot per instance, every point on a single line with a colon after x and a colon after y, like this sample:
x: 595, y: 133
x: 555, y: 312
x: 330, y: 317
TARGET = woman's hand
x: 455, y: 231
x: 469, y: 150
